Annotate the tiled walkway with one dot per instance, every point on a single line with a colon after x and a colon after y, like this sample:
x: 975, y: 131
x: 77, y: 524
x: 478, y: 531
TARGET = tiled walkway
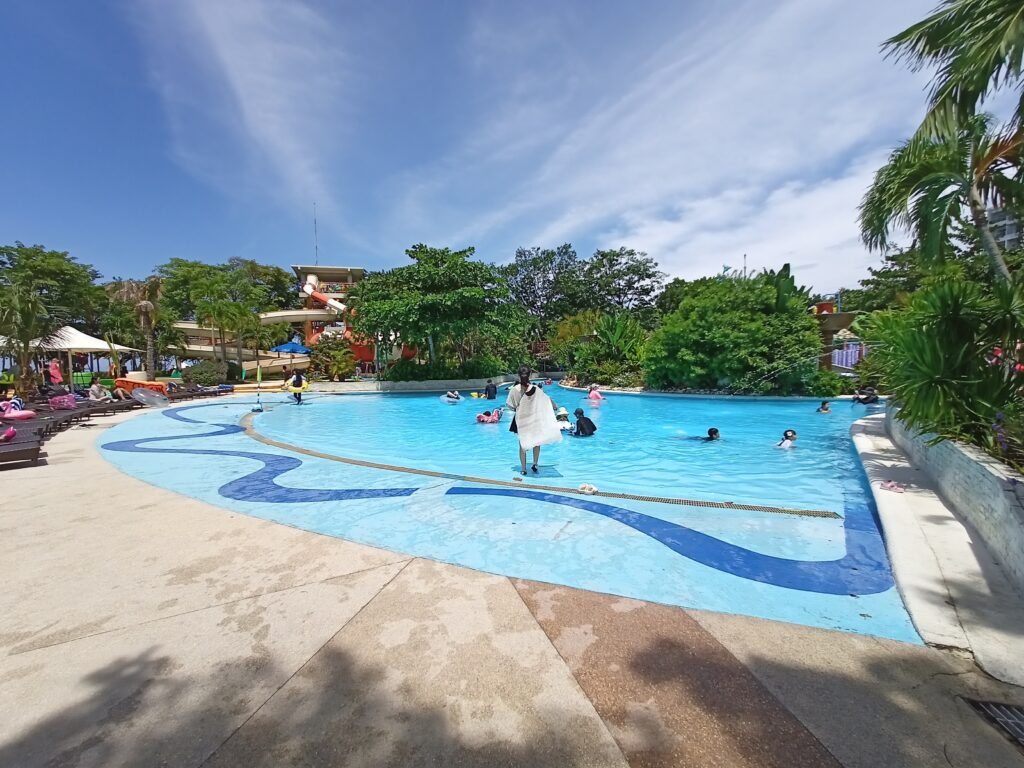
x: 145, y: 628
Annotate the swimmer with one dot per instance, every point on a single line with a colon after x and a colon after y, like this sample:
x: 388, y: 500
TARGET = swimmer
x: 593, y: 395
x: 548, y: 382
x: 824, y: 408
x: 489, y: 417
x: 452, y: 395
x: 788, y: 438
x: 584, y: 426
x: 713, y: 434
x: 866, y: 396
x: 562, y: 417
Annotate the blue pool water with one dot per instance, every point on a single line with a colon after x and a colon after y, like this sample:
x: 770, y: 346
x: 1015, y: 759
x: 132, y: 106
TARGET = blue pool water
x: 824, y: 572
x: 645, y: 445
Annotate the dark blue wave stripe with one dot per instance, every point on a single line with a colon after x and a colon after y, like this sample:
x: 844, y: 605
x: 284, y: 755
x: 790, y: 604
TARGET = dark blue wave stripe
x: 863, y: 570
x: 260, y: 485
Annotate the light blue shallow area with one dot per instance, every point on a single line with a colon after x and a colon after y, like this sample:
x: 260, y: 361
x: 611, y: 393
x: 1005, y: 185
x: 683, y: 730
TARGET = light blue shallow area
x: 523, y: 537
x: 649, y: 446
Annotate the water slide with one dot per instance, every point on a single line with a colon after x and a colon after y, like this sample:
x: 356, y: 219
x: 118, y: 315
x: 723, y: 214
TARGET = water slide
x: 270, y: 362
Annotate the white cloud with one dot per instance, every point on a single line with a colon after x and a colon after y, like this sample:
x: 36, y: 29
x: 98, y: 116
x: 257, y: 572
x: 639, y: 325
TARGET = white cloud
x: 699, y: 149
x: 253, y: 91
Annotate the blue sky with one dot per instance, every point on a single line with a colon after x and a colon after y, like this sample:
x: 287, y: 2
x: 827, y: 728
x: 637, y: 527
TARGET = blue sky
x: 141, y: 130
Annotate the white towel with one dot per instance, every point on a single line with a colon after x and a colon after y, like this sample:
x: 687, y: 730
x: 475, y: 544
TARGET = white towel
x: 536, y: 422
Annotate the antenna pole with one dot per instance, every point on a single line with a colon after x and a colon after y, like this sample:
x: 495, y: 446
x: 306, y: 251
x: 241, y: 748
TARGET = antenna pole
x: 316, y: 240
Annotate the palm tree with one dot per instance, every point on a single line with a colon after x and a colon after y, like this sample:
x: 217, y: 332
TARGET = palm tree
x: 144, y: 297
x: 26, y: 325
x: 977, y: 46
x: 930, y: 184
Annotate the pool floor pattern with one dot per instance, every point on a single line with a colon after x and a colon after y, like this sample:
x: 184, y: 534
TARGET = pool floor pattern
x: 825, y: 573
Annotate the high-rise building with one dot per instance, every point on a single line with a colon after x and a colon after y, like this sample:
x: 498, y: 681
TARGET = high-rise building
x: 1006, y: 228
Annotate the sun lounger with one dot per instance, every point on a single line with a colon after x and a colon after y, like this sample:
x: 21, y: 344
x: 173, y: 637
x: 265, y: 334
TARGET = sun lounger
x: 27, y: 445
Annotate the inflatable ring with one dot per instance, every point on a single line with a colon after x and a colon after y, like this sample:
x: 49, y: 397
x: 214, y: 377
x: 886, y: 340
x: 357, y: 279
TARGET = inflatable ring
x: 19, y: 415
x: 297, y: 390
x: 149, y: 397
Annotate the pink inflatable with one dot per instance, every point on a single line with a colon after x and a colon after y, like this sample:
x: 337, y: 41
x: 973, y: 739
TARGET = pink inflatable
x: 493, y: 417
x: 8, y: 412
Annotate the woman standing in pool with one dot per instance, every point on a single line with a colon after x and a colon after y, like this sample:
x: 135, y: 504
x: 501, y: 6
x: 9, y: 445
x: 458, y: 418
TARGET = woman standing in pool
x: 534, y: 420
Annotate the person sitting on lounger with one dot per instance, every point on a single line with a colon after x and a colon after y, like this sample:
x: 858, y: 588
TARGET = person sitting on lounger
x: 100, y: 394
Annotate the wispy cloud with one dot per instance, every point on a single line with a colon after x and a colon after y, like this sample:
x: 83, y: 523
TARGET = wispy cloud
x: 738, y: 116
x: 253, y: 90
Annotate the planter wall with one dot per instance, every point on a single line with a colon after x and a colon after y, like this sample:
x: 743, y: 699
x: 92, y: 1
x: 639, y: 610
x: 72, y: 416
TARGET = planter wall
x: 982, y: 491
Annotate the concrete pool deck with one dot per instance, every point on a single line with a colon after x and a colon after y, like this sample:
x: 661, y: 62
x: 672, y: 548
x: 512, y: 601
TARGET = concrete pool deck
x: 142, y: 627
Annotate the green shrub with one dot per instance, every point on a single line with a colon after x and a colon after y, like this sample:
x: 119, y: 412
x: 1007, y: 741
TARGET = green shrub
x: 205, y: 373
x: 332, y: 358
x: 827, y: 384
x: 747, y: 334
x: 483, y: 366
x: 412, y: 370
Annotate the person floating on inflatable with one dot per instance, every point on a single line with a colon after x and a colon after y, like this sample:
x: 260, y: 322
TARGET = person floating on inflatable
x: 452, y: 395
x: 297, y: 386
x: 489, y: 417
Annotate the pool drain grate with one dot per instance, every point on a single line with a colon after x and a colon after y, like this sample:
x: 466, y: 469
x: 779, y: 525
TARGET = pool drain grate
x: 1006, y: 717
x: 247, y: 425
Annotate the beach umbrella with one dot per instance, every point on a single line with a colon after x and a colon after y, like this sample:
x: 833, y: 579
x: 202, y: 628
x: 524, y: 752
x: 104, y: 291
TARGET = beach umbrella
x: 292, y: 348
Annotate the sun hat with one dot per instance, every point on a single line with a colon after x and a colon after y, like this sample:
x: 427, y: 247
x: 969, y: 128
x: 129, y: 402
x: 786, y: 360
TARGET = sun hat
x: 563, y: 411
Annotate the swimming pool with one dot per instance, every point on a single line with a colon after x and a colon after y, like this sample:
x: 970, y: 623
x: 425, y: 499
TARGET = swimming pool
x: 648, y: 446
x: 830, y: 572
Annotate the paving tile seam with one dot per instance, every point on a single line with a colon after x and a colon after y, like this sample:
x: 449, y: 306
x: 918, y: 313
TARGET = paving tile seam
x: 306, y: 663
x: 764, y: 685
x: 568, y: 667
x: 405, y: 560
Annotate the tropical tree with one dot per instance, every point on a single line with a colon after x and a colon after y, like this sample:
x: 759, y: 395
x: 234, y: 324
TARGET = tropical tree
x: 144, y: 297
x: 60, y: 279
x: 549, y: 284
x: 27, y: 323
x: 623, y: 279
x: 442, y: 296
x: 953, y: 360
x: 931, y: 185
x: 733, y: 332
x: 976, y: 46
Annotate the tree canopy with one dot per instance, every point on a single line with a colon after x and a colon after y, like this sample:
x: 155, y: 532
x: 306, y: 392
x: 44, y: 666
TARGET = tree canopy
x: 732, y: 332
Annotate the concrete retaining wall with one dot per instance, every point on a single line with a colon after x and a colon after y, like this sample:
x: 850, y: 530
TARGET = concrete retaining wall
x: 984, y: 492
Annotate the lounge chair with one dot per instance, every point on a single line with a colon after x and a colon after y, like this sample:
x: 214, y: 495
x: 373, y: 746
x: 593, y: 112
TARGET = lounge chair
x: 27, y: 445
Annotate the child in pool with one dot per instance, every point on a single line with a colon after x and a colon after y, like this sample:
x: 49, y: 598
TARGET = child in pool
x: 562, y: 417
x: 824, y: 408
x: 593, y: 395
x: 713, y: 434
x: 788, y: 438
x: 584, y: 426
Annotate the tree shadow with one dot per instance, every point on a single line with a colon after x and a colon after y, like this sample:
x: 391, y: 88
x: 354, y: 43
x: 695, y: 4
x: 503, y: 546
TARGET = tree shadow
x: 899, y: 706
x: 142, y: 712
